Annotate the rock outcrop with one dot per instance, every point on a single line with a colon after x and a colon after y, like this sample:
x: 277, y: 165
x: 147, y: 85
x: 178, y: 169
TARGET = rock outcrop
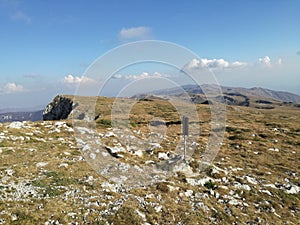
x: 58, y: 109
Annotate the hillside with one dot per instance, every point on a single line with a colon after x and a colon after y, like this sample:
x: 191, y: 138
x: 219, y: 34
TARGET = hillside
x: 256, y: 92
x: 48, y: 175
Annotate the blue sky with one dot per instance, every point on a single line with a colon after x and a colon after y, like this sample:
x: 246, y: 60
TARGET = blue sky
x: 46, y: 46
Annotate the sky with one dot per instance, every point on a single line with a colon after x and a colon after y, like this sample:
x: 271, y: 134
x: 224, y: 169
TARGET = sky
x: 47, y: 47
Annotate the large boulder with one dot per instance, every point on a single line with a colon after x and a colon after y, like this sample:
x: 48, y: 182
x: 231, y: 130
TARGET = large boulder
x: 59, y: 109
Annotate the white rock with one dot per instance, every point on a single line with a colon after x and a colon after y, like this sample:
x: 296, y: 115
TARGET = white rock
x: 245, y: 204
x: 117, y: 149
x: 195, y: 182
x: 40, y: 139
x: 9, y: 172
x: 243, y: 186
x: 14, y: 217
x: 83, y: 130
x: 141, y: 214
x: 92, y: 156
x: 71, y: 214
x: 15, y: 138
x: 203, y: 206
x: 16, y: 125
x: 293, y: 190
x: 110, y: 134
x: 158, y: 208
x: 59, y: 124
x: 155, y: 145
x: 172, y: 188
x: 266, y: 192
x: 149, y: 162
x: 139, y: 153
x: 274, y: 149
x: 233, y: 202
x: 41, y: 164
x: 188, y: 193
x: 251, y: 180
x: 163, y: 155
x: 270, y: 185
x: 277, y: 215
x: 63, y: 165
x: 236, y: 169
x: 214, y: 171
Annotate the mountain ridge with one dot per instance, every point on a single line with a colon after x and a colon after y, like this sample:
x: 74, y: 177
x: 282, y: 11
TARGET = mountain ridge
x: 282, y: 96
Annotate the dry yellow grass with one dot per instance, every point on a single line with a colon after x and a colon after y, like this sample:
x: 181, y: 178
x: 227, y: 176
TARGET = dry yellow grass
x: 44, y: 178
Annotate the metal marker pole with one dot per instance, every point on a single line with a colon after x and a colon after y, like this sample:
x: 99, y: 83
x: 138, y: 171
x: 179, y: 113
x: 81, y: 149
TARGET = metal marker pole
x: 184, y: 156
x: 185, y: 132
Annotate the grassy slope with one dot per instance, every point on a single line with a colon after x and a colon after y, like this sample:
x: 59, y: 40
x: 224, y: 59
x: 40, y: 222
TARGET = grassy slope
x: 65, y: 189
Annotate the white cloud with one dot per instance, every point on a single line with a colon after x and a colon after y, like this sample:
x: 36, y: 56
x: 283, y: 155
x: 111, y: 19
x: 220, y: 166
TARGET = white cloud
x: 143, y: 75
x: 117, y: 76
x: 12, y: 88
x: 20, y: 16
x: 266, y: 61
x: 135, y: 33
x: 279, y: 62
x: 75, y: 80
x: 196, y: 64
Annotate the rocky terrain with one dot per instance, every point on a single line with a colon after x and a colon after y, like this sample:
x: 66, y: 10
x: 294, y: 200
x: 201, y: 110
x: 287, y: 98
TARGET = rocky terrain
x: 47, y: 175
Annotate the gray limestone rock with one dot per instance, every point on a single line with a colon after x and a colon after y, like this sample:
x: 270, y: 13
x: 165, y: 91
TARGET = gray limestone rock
x: 58, y: 109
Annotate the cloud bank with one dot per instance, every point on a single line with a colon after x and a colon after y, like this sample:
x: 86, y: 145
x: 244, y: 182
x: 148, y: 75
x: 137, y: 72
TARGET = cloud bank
x: 10, y: 88
x: 222, y: 64
x: 75, y: 80
x: 204, y: 63
x: 144, y: 75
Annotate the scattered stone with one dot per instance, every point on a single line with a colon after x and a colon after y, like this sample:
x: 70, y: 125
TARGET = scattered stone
x: 188, y: 193
x: 16, y: 125
x: 274, y: 149
x: 163, y: 155
x: 293, y: 190
x: 110, y: 134
x: 63, y: 165
x: 41, y: 164
x: 139, y: 153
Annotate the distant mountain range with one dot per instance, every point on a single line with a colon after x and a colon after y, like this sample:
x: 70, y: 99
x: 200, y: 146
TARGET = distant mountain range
x: 20, y: 116
x: 256, y: 92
